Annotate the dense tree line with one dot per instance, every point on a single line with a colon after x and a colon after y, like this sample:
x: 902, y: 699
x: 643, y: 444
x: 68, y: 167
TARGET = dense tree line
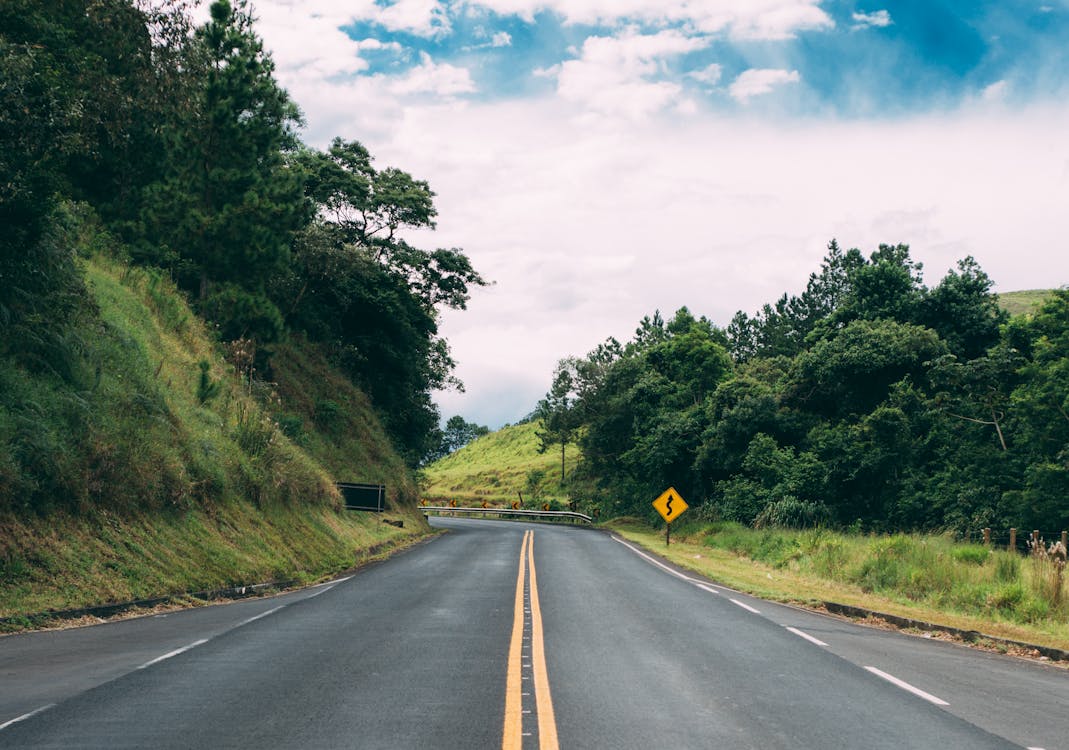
x: 179, y: 140
x: 867, y: 401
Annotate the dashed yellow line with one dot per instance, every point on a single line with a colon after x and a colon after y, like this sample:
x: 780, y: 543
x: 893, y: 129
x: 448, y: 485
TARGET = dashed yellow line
x: 547, y: 723
x: 512, y: 736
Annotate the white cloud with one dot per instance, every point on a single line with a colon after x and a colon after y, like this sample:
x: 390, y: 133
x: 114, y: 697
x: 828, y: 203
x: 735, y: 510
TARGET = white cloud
x: 551, y: 72
x: 429, y: 77
x: 376, y: 45
x: 614, y: 75
x: 879, y: 19
x: 501, y: 39
x: 421, y: 17
x: 759, y: 81
x: 309, y: 44
x: 995, y: 92
x: 750, y: 19
x: 709, y: 75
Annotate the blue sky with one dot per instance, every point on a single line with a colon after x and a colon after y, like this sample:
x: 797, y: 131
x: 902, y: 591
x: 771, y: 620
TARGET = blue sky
x: 600, y: 159
x: 888, y: 59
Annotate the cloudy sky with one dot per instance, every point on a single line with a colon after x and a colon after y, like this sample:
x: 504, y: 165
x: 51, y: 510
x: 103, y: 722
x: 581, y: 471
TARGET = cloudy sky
x: 602, y: 159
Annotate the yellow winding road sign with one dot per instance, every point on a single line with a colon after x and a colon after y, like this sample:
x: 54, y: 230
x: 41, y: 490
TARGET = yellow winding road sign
x: 670, y: 505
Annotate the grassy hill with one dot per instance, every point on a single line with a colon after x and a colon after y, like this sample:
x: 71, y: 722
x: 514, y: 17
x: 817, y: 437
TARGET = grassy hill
x: 499, y: 468
x: 1022, y: 302
x: 136, y: 462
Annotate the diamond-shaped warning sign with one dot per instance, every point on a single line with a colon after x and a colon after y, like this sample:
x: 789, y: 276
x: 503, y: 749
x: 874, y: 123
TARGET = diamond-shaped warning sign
x: 670, y: 505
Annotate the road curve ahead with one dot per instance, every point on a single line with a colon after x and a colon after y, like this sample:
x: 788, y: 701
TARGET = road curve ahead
x: 510, y: 635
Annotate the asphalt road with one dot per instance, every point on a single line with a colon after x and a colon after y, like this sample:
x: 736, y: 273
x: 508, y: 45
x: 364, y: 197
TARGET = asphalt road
x: 489, y: 637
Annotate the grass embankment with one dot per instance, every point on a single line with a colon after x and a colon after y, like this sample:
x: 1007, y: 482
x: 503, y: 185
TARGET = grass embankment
x: 73, y: 561
x: 929, y: 578
x: 136, y: 462
x: 1022, y: 302
x: 499, y: 468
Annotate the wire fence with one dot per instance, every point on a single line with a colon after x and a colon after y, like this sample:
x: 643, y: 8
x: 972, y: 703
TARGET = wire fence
x: 1017, y: 539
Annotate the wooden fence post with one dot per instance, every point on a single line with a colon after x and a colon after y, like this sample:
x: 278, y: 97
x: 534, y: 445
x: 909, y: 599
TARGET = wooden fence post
x: 1065, y: 539
x: 987, y: 537
x: 1013, y: 540
x: 1035, y: 542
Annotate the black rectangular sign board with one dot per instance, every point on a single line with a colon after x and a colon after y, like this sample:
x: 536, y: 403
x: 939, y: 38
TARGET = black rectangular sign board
x: 363, y: 496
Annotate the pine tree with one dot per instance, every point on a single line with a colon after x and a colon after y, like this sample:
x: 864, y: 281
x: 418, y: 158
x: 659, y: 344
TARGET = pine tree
x: 230, y: 205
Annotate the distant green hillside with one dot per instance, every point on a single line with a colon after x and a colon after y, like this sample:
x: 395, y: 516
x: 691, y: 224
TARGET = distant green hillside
x: 1020, y: 303
x: 499, y: 468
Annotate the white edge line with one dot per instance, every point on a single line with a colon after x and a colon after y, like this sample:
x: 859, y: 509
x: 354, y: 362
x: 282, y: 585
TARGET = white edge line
x: 745, y: 606
x: 659, y: 564
x: 17, y: 719
x: 176, y: 652
x: 808, y: 637
x: 704, y: 587
x: 335, y: 582
x: 321, y: 591
x: 1030, y: 748
x: 906, y: 686
x: 254, y: 618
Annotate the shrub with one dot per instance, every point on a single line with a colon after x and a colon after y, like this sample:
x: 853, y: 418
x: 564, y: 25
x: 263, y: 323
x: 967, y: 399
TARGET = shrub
x: 207, y: 389
x: 975, y: 554
x: 327, y: 414
x: 1006, y: 598
x: 292, y: 426
x: 791, y: 513
x: 254, y: 434
x: 1007, y: 567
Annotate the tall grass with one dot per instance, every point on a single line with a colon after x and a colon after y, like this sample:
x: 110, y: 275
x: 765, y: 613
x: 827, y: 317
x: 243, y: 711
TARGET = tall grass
x: 933, y: 570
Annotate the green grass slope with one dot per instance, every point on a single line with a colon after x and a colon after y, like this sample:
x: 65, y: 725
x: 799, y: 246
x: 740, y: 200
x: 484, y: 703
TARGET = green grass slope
x: 125, y: 472
x: 332, y: 420
x: 1022, y: 302
x: 499, y: 468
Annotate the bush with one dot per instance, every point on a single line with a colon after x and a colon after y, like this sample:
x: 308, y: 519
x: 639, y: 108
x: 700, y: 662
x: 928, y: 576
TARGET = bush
x: 327, y: 414
x: 1007, y: 598
x: 292, y: 426
x: 241, y: 314
x: 791, y: 513
x: 1007, y: 567
x: 975, y: 554
x: 254, y: 434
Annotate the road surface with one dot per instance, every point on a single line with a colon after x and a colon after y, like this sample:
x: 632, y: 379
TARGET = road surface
x: 514, y: 635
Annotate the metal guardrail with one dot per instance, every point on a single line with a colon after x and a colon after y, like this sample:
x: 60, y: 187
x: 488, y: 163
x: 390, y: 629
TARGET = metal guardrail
x: 511, y: 512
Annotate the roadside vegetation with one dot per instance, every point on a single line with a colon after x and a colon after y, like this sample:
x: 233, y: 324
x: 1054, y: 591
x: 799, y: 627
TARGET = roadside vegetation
x: 920, y: 576
x: 168, y: 470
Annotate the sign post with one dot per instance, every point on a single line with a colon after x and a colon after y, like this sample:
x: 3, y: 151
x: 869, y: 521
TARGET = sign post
x: 671, y: 506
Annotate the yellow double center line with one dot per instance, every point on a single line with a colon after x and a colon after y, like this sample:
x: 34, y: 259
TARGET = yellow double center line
x: 512, y: 737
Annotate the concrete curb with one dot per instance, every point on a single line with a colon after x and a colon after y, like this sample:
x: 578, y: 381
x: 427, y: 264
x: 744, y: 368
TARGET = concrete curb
x: 970, y: 636
x: 104, y: 611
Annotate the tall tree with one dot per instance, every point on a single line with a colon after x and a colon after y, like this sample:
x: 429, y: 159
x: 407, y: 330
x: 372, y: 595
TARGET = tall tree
x: 230, y: 205
x: 963, y: 310
x: 356, y: 285
x: 557, y: 411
